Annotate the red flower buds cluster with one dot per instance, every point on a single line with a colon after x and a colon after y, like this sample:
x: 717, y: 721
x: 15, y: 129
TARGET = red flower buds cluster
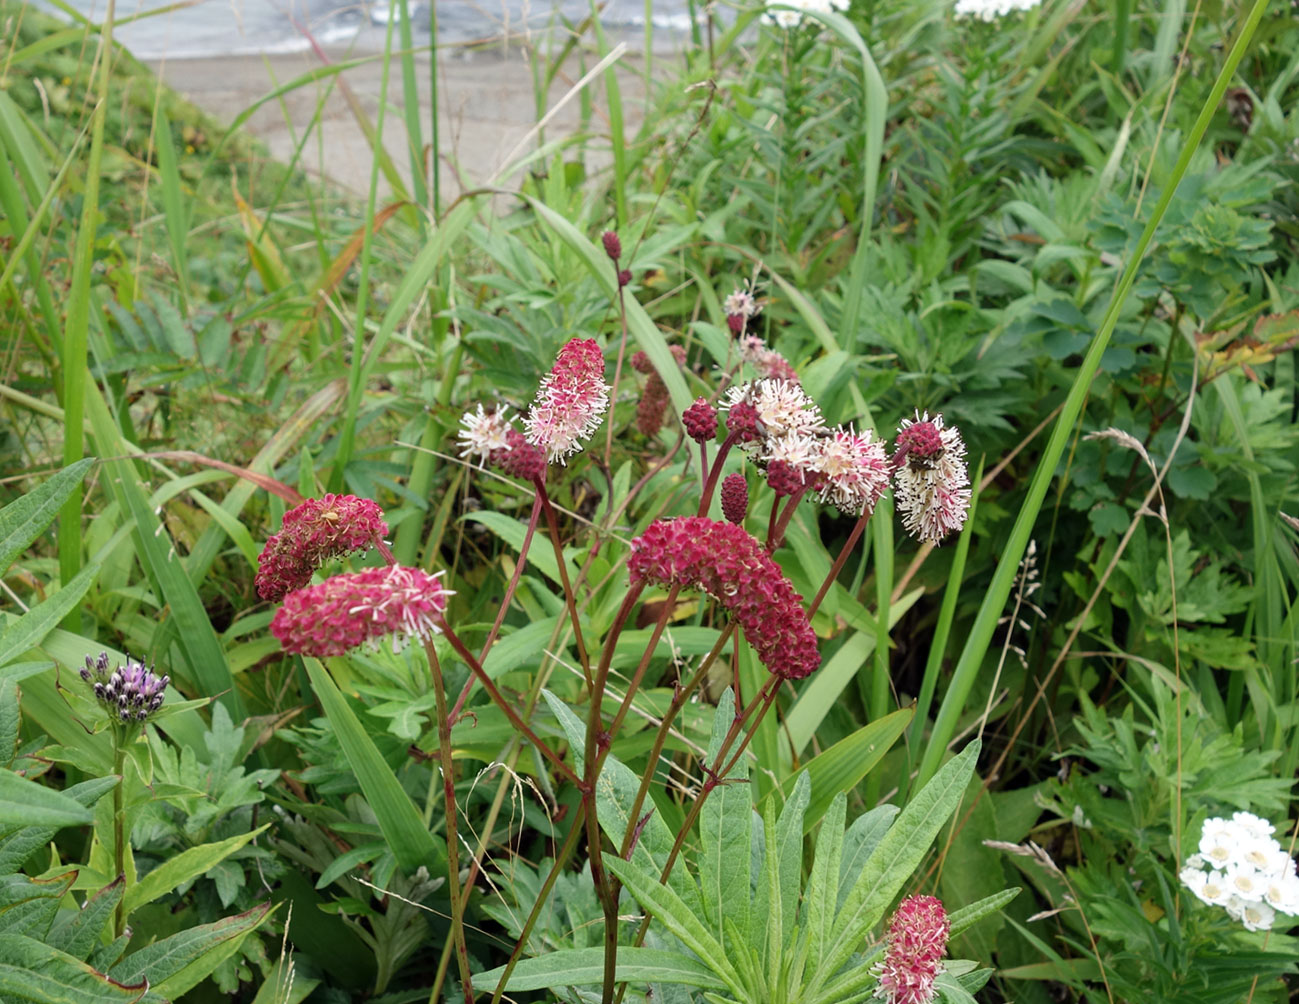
x: 347, y: 611
x: 732, y: 566
x: 917, y: 942
x: 519, y: 458
x: 612, y: 245
x: 313, y: 533
x: 700, y: 421
x: 654, y: 400
x: 735, y: 498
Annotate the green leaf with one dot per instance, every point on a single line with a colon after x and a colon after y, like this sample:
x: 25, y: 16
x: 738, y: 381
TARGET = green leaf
x: 185, y: 866
x: 25, y: 519
x: 585, y: 966
x: 787, y: 850
x: 18, y: 846
x: 842, y: 767
x: 541, y: 554
x: 891, y: 865
x: 27, y: 803
x: 725, y: 827
x: 209, y: 670
x: 29, y: 630
x: 33, y: 971
x: 968, y: 916
x: 669, y: 909
x: 10, y: 720
x: 411, y: 842
x: 859, y: 843
x: 822, y: 900
x: 83, y: 929
x: 178, y: 963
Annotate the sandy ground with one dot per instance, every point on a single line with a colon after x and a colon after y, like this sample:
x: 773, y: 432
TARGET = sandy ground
x: 485, y: 102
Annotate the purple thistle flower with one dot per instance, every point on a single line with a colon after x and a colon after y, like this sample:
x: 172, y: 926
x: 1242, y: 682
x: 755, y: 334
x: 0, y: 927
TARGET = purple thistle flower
x: 132, y: 692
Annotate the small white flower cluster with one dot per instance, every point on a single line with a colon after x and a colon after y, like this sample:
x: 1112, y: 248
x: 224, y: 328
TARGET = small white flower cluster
x: 990, y: 10
x: 789, y: 13
x: 1243, y: 869
x: 484, y: 432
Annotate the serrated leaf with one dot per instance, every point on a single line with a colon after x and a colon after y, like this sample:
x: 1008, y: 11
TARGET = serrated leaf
x: 18, y: 846
x: 33, y: 971
x: 26, y: 518
x: 83, y: 929
x: 584, y: 966
x: 178, y: 963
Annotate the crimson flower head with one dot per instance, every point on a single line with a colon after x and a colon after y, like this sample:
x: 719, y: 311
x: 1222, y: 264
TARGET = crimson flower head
x: 700, y: 421
x: 733, y: 567
x: 917, y: 942
x: 931, y: 484
x: 571, y: 401
x: 312, y: 534
x: 357, y: 608
x: 612, y: 246
x: 520, y: 459
x: 735, y: 498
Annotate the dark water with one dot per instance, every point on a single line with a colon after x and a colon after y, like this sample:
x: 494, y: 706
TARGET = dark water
x: 224, y: 27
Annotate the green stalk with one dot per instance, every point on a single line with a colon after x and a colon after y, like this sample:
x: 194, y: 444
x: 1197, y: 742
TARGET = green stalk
x: 447, y: 763
x: 119, y: 828
x: 73, y: 354
x: 1003, y: 580
x: 1122, y: 12
x: 436, y: 204
x: 410, y: 105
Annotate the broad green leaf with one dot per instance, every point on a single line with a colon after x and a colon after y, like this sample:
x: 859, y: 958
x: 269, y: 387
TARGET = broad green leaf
x: 10, y: 720
x: 18, y: 846
x: 26, y: 518
x: 29, y: 905
x: 83, y: 928
x: 822, y: 900
x: 842, y: 767
x: 33, y: 971
x: 410, y: 840
x: 29, y: 630
x: 28, y: 803
x: 186, y: 865
x: 669, y: 910
x: 175, y: 964
x: 585, y: 966
x: 859, y: 843
x: 896, y: 858
x: 725, y: 825
x: 787, y: 850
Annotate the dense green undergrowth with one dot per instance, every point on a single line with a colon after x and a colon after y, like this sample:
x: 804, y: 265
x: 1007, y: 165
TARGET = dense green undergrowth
x: 935, y: 215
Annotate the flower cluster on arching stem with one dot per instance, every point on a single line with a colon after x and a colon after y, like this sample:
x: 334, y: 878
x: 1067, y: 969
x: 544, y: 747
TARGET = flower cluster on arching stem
x: 131, y: 692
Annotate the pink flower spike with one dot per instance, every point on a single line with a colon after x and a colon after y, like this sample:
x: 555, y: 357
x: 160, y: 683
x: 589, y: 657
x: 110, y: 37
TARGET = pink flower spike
x: 730, y: 565
x: 931, y: 483
x: 313, y: 533
x: 735, y: 498
x: 571, y: 401
x: 917, y: 942
x: 359, y: 608
x: 856, y: 470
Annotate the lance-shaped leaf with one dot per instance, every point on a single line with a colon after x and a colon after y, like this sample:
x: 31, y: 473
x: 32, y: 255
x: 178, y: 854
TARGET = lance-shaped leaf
x: 577, y: 967
x: 31, y: 970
